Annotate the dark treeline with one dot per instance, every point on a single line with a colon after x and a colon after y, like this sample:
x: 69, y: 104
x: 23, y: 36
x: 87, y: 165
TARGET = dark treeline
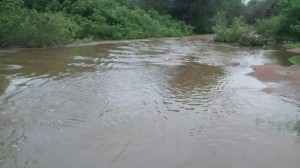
x: 34, y: 23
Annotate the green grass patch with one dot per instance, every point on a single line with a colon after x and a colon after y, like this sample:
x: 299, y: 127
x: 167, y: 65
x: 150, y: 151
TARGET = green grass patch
x: 295, y: 59
x: 292, y: 45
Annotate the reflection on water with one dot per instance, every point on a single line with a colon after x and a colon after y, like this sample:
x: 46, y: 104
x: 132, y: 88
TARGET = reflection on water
x: 147, y: 103
x: 193, y: 75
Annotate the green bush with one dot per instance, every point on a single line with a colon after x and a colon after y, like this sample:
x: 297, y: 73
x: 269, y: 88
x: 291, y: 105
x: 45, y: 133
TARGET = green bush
x: 119, y: 22
x: 11, y: 13
x: 278, y: 28
x: 267, y: 27
x: 288, y: 28
x: 229, y: 33
x: 40, y: 23
x: 103, y: 19
x: 46, y: 29
x: 39, y: 29
x: 23, y: 27
x: 252, y: 39
x: 285, y: 25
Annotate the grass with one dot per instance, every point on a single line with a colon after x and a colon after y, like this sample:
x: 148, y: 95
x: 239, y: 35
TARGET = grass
x: 297, y: 126
x: 295, y: 59
x: 291, y: 45
x: 290, y: 125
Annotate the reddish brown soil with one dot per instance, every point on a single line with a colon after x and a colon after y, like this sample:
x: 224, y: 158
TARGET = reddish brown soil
x: 276, y: 73
x: 287, y: 79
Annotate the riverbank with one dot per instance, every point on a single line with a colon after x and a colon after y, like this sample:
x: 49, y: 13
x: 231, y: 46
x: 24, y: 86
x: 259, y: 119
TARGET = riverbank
x: 294, y: 50
x: 207, y: 37
x: 279, y: 80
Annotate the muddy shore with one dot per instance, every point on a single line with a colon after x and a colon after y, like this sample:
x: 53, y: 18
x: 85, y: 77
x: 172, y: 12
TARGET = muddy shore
x: 294, y: 50
x: 280, y: 80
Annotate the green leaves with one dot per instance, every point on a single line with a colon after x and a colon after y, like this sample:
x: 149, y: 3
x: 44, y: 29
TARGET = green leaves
x: 231, y: 32
x: 284, y: 22
x: 46, y: 29
x: 45, y: 23
x: 110, y: 20
x: 30, y: 28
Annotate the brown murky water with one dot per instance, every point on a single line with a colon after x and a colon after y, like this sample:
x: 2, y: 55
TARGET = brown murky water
x: 159, y: 103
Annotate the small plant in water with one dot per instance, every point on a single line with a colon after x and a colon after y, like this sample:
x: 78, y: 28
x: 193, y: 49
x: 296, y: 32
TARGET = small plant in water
x: 289, y: 124
x: 297, y: 127
x: 252, y: 39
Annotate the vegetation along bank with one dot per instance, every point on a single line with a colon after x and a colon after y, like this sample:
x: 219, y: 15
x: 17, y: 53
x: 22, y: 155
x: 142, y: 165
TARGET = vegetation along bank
x: 39, y: 23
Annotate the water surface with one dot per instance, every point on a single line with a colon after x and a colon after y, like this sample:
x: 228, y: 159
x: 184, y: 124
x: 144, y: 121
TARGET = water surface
x: 157, y: 103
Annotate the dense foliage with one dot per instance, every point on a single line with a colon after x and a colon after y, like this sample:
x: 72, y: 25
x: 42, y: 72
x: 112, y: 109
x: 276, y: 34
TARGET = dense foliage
x: 53, y: 22
x: 267, y: 21
x: 198, y: 13
x: 229, y: 32
x: 284, y: 23
x: 36, y: 23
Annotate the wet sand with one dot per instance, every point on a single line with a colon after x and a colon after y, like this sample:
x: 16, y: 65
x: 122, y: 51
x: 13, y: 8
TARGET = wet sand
x: 294, y: 50
x: 281, y: 80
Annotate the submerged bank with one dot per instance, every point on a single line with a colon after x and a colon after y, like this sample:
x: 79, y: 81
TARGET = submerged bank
x: 280, y: 80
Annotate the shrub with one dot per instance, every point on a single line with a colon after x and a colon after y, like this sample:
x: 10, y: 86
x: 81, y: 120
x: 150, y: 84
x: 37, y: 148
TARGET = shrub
x: 46, y: 29
x: 29, y: 28
x: 40, y: 29
x: 284, y: 26
x: 252, y: 39
x: 232, y: 32
x: 110, y: 20
x: 267, y: 27
x: 11, y: 13
x: 37, y: 24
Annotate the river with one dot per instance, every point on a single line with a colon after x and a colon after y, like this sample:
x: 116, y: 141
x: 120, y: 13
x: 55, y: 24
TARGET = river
x: 155, y: 103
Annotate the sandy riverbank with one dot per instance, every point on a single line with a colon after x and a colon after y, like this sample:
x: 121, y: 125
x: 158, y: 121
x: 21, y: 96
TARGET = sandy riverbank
x: 280, y: 80
x: 294, y: 50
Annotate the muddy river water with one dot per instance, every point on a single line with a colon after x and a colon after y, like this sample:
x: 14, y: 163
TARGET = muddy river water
x: 157, y: 103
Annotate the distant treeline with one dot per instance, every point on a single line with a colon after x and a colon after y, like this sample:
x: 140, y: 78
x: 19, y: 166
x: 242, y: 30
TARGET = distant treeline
x: 36, y: 23
x: 272, y: 20
x: 278, y: 19
x: 263, y: 21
